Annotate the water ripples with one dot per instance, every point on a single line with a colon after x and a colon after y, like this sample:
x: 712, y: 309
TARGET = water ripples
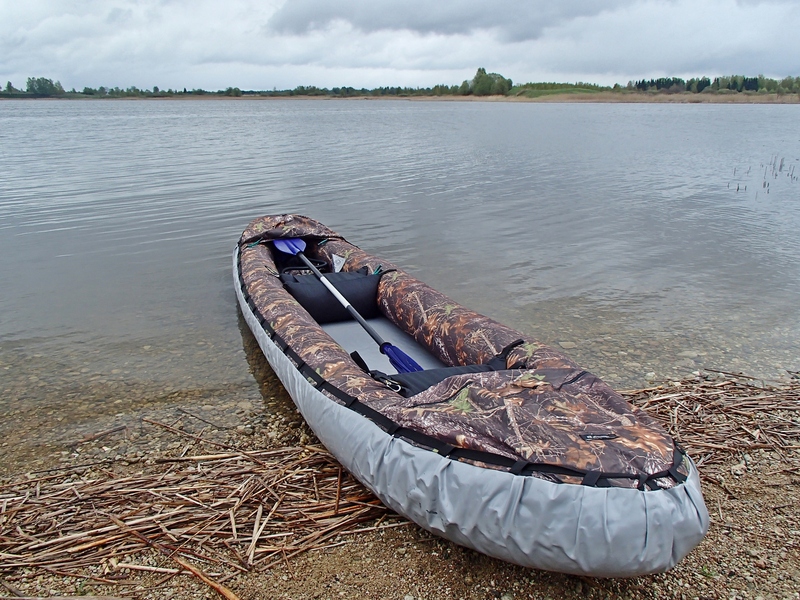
x: 132, y: 208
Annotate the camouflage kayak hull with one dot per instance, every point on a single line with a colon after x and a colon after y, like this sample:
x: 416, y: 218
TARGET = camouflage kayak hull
x: 535, y: 461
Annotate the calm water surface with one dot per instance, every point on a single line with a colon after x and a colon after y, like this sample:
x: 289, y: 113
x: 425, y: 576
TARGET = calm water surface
x: 648, y: 240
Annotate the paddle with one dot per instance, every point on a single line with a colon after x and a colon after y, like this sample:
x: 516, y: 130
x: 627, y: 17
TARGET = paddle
x: 399, y: 359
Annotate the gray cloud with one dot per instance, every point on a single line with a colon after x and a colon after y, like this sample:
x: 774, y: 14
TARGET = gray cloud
x: 514, y: 20
x: 261, y: 44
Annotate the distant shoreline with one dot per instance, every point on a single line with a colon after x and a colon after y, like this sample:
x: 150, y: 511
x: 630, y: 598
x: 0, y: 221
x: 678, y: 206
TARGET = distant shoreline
x: 619, y: 98
x: 568, y: 98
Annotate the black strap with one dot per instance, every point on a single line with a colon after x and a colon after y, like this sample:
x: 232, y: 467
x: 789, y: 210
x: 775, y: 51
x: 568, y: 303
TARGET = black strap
x: 591, y: 478
x: 362, y: 364
x: 678, y: 454
x: 518, y: 467
x: 677, y: 460
x: 424, y: 439
x: 334, y: 391
x: 499, y: 362
x: 574, y: 378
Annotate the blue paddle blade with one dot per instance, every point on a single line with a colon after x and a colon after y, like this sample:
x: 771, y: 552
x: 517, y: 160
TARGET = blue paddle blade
x: 401, y: 361
x: 290, y: 245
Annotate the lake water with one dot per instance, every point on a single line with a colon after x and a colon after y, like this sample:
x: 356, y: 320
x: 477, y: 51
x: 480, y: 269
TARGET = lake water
x: 648, y: 240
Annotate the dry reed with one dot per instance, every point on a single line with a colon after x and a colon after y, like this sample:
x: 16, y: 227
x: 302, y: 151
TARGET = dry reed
x: 235, y: 511
x: 726, y: 415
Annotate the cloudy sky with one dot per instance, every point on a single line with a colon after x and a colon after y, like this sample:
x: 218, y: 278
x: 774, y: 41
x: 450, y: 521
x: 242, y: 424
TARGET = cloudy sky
x: 265, y: 44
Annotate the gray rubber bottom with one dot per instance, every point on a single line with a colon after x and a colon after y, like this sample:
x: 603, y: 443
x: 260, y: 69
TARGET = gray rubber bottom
x: 352, y: 337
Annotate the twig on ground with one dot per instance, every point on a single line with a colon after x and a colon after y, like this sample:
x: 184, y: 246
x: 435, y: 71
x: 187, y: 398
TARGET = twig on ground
x: 210, y: 506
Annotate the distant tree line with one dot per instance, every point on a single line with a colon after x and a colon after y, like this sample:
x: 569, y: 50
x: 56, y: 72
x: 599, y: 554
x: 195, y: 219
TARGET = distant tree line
x: 549, y: 86
x: 734, y: 83
x: 39, y: 87
x: 349, y: 92
x: 482, y: 84
x: 36, y: 86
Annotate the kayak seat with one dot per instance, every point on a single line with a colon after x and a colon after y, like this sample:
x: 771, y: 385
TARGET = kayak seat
x: 359, y: 287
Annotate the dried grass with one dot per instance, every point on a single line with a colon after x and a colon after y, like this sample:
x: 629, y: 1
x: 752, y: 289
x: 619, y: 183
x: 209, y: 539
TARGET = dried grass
x: 725, y: 415
x: 235, y: 511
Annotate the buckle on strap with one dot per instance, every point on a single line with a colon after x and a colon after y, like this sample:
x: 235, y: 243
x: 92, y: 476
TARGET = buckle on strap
x: 387, y: 381
x: 376, y: 375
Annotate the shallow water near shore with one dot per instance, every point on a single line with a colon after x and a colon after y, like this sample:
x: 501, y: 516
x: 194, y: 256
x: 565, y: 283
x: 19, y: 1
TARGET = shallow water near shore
x: 647, y: 241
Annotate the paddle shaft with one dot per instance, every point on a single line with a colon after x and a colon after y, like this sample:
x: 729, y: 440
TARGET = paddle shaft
x: 342, y: 300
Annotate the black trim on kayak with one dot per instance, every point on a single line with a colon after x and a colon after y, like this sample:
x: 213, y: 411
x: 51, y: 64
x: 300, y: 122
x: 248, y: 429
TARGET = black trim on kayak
x: 516, y: 467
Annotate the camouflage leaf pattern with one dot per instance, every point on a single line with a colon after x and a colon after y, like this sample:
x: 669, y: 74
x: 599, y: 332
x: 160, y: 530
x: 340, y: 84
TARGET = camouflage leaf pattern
x: 536, y: 411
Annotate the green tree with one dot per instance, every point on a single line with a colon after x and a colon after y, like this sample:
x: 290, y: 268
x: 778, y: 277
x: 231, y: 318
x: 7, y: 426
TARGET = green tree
x: 486, y: 84
x: 43, y: 87
x: 501, y: 85
x: 482, y: 83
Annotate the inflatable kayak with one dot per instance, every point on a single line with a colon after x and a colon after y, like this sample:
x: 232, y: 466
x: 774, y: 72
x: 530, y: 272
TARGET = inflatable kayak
x: 474, y: 431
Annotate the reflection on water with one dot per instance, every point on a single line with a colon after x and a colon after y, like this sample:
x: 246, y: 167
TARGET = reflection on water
x: 646, y: 240
x: 78, y: 394
x: 276, y: 399
x: 51, y: 401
